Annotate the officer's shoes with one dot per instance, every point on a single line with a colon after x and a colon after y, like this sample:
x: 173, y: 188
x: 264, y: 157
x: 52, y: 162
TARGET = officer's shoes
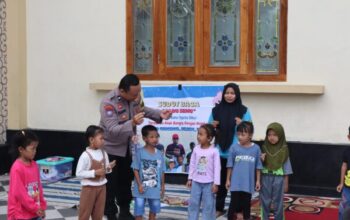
x: 125, y: 216
x: 111, y: 217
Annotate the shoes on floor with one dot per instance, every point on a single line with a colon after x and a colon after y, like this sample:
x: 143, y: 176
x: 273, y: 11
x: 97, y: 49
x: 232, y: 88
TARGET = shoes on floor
x: 112, y: 217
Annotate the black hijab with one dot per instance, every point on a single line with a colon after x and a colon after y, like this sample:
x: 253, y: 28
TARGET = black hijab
x: 226, y: 113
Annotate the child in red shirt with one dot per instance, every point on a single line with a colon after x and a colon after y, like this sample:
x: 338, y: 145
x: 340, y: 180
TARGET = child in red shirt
x: 25, y: 198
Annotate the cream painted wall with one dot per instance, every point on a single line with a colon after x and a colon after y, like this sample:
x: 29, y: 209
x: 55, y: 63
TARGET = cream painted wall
x: 73, y: 43
x: 70, y: 44
x: 16, y: 63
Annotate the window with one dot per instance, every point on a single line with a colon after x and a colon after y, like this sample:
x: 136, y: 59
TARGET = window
x: 241, y: 40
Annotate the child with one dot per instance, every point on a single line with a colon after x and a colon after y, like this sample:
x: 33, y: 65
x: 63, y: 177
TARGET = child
x: 344, y: 185
x: 242, y: 164
x: 149, y: 170
x: 204, y: 175
x: 276, y: 168
x: 25, y: 198
x: 92, y: 166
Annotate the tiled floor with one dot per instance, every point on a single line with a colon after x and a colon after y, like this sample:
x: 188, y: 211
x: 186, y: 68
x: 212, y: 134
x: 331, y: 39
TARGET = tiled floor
x: 51, y: 213
x: 63, y: 195
x: 64, y: 213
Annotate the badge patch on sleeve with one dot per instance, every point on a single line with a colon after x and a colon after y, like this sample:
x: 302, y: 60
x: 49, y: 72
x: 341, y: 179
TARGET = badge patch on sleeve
x: 109, y: 110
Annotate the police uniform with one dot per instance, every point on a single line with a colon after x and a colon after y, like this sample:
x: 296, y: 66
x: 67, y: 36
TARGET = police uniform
x: 116, y: 120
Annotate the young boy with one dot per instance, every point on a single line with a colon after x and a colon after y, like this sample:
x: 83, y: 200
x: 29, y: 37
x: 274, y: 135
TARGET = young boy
x: 344, y: 185
x: 149, y: 170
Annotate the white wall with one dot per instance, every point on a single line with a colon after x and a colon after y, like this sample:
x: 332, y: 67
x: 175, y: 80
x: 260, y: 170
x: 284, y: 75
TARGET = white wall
x: 70, y: 44
x: 73, y: 43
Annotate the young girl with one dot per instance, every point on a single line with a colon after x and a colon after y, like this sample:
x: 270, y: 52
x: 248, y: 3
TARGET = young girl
x: 92, y: 166
x: 276, y: 168
x: 242, y: 165
x: 25, y: 198
x: 204, y: 175
x: 225, y: 117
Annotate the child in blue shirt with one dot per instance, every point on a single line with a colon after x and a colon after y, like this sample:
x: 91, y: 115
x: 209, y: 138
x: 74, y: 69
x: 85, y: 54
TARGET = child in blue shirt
x: 242, y: 165
x: 149, y: 170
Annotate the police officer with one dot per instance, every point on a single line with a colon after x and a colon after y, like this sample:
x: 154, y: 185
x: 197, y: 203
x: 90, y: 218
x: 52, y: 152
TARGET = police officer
x: 120, y: 114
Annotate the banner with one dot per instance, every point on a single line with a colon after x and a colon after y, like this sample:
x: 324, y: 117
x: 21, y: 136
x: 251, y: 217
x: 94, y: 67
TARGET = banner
x: 191, y: 107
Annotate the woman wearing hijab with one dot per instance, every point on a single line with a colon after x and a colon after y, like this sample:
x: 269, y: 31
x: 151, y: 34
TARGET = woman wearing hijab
x: 225, y: 117
x: 276, y: 168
